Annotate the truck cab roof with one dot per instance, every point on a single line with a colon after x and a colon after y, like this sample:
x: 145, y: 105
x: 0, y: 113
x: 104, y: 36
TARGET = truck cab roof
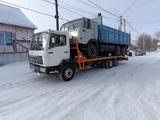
x: 53, y: 31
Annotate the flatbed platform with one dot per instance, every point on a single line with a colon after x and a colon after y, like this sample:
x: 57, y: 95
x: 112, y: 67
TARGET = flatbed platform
x: 81, y: 60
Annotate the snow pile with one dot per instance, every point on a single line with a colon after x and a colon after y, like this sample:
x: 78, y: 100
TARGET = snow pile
x: 130, y: 91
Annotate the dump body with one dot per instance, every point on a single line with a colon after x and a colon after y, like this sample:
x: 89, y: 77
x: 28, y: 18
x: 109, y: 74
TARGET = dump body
x: 112, y: 36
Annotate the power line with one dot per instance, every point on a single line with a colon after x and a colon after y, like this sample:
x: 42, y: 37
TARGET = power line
x: 86, y: 3
x: 130, y: 6
x: 93, y: 6
x: 76, y: 13
x: 146, y: 22
x: 103, y: 8
x: 28, y: 9
x: 133, y: 28
x: 76, y: 8
x: 82, y: 10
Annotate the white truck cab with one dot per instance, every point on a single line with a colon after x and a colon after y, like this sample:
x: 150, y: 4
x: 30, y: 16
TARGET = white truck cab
x: 49, y: 45
x: 48, y: 51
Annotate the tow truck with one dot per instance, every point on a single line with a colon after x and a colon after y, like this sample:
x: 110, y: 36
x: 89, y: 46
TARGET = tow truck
x: 51, y: 52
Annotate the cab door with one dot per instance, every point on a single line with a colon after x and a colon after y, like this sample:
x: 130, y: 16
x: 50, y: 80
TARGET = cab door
x: 58, y: 49
x: 87, y: 31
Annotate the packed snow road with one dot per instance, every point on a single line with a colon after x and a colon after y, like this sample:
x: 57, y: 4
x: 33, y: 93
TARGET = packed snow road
x: 130, y: 91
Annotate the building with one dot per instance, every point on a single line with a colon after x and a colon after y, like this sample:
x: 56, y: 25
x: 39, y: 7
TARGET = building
x: 16, y: 30
x: 158, y: 46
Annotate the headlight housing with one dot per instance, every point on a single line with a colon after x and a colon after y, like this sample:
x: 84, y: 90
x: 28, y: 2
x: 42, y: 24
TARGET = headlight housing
x: 36, y: 59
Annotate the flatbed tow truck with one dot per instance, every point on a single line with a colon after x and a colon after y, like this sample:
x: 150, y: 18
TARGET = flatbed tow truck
x: 66, y: 67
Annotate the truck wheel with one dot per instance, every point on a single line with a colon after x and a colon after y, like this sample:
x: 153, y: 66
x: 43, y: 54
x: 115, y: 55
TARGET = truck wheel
x: 92, y: 51
x: 110, y: 63
x: 106, y: 64
x: 115, y: 63
x: 68, y: 72
x: 123, y: 51
x: 117, y: 51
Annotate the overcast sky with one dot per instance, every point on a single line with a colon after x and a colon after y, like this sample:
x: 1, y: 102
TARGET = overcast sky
x: 144, y: 15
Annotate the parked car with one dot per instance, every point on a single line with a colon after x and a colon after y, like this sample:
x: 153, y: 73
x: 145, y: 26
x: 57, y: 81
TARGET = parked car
x: 140, y: 52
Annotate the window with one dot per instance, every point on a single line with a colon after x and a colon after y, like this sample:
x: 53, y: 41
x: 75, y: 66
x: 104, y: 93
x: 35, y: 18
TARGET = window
x: 5, y: 38
x: 87, y: 24
x: 57, y: 40
x: 1, y: 38
x: 8, y: 36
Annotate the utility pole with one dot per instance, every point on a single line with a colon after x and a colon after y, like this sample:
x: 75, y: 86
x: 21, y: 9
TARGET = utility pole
x: 121, y: 23
x: 143, y: 41
x: 57, y: 16
x: 124, y: 25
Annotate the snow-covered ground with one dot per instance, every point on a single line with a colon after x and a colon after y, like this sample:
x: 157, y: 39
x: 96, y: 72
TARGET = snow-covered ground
x: 130, y: 91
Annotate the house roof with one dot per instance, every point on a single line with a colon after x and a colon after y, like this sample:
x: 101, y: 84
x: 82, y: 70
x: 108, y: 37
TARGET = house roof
x: 14, y: 16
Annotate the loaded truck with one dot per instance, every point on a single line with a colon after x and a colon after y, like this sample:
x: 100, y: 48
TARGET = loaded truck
x: 96, y: 38
x: 81, y: 43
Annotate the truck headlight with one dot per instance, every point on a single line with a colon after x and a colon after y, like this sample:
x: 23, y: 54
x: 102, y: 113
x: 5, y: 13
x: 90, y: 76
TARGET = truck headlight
x: 74, y: 34
x: 36, y: 59
x: 43, y: 70
x: 39, y: 60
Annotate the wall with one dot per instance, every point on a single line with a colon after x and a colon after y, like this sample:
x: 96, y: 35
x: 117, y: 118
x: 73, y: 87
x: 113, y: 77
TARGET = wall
x: 20, y: 32
x: 7, y: 58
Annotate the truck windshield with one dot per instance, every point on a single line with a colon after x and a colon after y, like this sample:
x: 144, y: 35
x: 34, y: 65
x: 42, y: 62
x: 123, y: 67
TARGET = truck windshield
x: 71, y: 26
x: 39, y: 41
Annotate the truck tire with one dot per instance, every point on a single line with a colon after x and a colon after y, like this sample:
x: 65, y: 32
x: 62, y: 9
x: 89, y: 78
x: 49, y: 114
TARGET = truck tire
x: 92, y: 51
x: 123, y: 51
x: 68, y: 72
x: 110, y: 63
x: 115, y: 63
x: 117, y: 50
x: 107, y: 64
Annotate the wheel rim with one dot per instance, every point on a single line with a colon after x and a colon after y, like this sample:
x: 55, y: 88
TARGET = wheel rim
x: 68, y: 73
x: 92, y: 51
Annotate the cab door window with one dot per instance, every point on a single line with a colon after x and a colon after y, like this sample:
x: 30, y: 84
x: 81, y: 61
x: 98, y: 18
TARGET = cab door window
x: 57, y: 40
x: 87, y: 24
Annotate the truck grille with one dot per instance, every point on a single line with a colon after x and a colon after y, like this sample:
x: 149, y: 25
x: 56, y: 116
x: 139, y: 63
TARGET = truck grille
x: 36, y: 59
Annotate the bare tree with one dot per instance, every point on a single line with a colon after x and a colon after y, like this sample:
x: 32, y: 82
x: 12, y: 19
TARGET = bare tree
x: 154, y: 44
x: 144, y: 42
x: 157, y: 35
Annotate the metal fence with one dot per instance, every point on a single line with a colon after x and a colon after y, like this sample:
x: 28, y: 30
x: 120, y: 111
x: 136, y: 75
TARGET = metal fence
x: 7, y: 58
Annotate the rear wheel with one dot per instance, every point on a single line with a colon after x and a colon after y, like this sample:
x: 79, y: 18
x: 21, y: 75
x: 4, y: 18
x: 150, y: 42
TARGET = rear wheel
x: 92, y: 50
x: 68, y: 72
x: 115, y: 63
x: 123, y: 51
x: 117, y: 51
x: 108, y: 64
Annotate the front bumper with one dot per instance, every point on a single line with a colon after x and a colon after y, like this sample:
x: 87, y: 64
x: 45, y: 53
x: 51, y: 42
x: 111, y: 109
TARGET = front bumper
x: 38, y: 69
